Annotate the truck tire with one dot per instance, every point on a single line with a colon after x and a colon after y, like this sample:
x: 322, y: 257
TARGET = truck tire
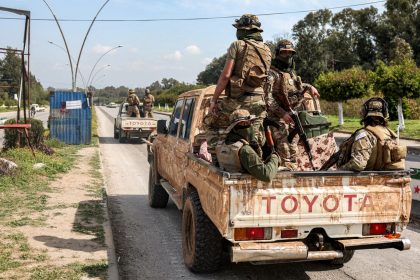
x: 201, y: 241
x: 347, y: 256
x: 116, y: 134
x: 158, y: 197
x: 121, y: 139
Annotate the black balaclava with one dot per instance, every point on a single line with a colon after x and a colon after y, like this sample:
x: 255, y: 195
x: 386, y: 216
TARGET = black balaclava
x: 284, y: 64
x: 243, y: 34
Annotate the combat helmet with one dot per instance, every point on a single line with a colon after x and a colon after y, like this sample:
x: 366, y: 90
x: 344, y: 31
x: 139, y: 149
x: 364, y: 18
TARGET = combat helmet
x: 240, y: 116
x: 375, y: 107
x: 285, y: 45
x: 248, y: 22
x: 130, y: 91
x: 147, y: 91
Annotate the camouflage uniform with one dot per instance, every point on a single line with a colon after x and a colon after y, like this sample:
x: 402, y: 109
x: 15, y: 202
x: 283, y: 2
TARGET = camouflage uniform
x: 148, y: 102
x: 133, y: 102
x: 283, y: 88
x: 236, y: 154
x: 375, y: 147
x: 252, y: 60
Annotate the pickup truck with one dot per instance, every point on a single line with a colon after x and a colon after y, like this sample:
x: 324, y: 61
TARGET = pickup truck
x: 127, y: 127
x: 298, y: 216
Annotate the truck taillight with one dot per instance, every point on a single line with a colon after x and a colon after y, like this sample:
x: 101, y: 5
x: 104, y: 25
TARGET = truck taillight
x: 242, y: 234
x: 289, y: 233
x: 376, y: 229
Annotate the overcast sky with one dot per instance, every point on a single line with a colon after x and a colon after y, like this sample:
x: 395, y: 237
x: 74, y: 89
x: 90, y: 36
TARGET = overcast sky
x: 151, y: 50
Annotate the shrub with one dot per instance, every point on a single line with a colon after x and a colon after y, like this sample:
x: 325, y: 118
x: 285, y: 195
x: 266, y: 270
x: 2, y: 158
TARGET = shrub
x: 36, y: 134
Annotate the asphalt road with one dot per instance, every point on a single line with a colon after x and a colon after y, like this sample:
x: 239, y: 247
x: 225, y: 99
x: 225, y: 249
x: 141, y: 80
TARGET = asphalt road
x: 148, y: 241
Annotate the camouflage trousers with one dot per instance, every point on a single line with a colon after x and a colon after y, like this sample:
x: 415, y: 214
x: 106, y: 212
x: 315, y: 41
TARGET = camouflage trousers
x: 287, y: 151
x: 255, y: 104
x: 148, y: 113
x: 133, y: 109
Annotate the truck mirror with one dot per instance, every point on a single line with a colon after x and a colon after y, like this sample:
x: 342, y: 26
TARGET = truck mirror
x: 161, y: 127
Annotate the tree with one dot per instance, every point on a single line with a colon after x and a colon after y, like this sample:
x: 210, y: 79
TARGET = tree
x: 399, y: 81
x: 311, y: 33
x: 168, y: 83
x: 344, y: 85
x: 10, y: 71
x: 400, y: 51
x: 212, y: 72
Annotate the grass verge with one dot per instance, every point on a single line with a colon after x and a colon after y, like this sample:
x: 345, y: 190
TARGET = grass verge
x: 412, y: 127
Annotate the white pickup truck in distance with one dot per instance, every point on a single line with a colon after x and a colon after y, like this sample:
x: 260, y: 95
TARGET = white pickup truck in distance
x: 126, y: 127
x: 298, y: 216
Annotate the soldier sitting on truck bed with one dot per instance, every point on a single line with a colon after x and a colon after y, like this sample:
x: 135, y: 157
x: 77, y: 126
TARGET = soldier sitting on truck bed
x: 373, y: 147
x: 240, y: 152
x: 133, y: 103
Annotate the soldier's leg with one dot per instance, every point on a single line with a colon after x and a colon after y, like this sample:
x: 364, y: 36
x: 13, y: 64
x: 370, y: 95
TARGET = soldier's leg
x: 137, y: 112
x: 294, y: 148
x: 256, y: 106
x: 280, y: 142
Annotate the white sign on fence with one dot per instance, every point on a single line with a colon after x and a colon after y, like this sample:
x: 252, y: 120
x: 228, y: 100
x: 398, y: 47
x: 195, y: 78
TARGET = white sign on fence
x: 75, y: 104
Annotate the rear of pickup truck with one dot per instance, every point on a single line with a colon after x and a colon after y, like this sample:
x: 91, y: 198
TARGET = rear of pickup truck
x: 129, y: 127
x: 317, y: 215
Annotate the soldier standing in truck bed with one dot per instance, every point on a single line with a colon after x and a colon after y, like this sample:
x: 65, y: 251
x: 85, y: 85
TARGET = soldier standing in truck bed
x: 286, y: 89
x: 133, y: 103
x: 243, y: 77
x: 148, y: 102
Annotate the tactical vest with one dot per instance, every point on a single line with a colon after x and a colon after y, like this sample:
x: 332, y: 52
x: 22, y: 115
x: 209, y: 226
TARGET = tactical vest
x: 148, y: 102
x: 251, y: 70
x: 228, y: 156
x: 389, y: 155
x: 132, y: 99
x: 287, y: 85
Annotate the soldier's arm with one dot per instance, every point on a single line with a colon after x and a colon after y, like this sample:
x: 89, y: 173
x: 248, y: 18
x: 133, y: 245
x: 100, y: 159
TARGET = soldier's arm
x: 360, y: 152
x: 252, y: 163
x: 226, y: 73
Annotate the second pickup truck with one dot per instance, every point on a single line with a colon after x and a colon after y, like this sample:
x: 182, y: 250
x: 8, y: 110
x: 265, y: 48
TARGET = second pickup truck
x: 127, y: 127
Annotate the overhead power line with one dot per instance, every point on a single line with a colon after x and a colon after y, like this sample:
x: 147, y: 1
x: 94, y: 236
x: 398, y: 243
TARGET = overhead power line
x: 195, y: 18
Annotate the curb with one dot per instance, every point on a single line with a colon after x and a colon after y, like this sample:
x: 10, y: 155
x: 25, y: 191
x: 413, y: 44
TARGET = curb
x: 112, y: 272
x: 163, y: 113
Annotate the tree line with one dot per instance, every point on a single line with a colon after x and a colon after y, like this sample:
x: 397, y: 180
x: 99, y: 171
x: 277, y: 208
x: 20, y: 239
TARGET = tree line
x: 355, y: 53
x: 10, y: 78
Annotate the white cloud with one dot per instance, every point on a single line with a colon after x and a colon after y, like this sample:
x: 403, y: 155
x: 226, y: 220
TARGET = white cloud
x: 206, y: 60
x: 101, y: 49
x: 176, y: 55
x: 193, y: 49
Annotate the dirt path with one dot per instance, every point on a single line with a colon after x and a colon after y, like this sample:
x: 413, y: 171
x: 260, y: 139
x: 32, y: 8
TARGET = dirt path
x: 75, y: 230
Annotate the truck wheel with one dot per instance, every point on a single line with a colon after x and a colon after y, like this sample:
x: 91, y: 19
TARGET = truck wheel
x: 121, y: 139
x: 116, y: 136
x: 347, y: 256
x: 158, y: 197
x: 201, y: 241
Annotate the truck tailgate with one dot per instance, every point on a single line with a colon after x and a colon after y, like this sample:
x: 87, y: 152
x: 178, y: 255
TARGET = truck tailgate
x: 294, y: 200
x: 138, y: 123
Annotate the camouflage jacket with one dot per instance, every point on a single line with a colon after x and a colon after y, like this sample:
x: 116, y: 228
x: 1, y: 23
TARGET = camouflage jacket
x: 252, y: 163
x: 148, y: 101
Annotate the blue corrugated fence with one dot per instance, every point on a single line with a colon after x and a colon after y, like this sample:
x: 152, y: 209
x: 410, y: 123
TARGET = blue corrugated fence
x: 70, y: 117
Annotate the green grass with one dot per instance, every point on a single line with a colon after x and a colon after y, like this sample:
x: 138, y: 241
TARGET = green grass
x: 162, y: 109
x: 21, y: 193
x: 412, y: 127
x: 71, y: 272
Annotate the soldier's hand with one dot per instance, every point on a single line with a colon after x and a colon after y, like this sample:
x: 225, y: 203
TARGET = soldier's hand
x: 314, y: 92
x: 287, y: 118
x: 213, y: 107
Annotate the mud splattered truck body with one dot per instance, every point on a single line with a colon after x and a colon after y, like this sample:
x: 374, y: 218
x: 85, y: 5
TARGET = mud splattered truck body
x: 299, y: 216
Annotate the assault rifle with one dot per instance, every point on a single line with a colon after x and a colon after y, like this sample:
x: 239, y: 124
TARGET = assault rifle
x: 298, y: 129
